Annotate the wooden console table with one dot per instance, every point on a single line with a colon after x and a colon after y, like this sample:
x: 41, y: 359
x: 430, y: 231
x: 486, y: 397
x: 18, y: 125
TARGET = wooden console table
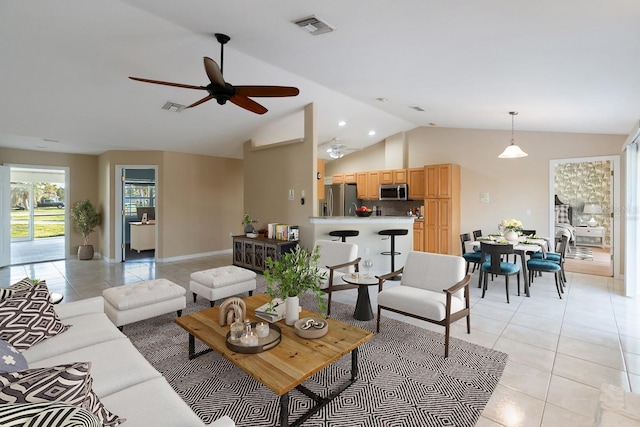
x: 249, y: 252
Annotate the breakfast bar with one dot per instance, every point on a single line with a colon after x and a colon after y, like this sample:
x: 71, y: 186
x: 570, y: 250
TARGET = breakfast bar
x: 368, y: 237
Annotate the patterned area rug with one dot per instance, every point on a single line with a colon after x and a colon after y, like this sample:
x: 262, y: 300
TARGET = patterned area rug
x: 580, y: 252
x: 404, y: 379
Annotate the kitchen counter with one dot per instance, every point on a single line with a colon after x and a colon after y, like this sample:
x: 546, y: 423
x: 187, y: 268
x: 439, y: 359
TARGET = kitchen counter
x: 369, y: 237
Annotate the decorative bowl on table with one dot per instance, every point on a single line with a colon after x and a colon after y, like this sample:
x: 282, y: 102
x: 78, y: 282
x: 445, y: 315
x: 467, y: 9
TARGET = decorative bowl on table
x: 311, y: 327
x: 363, y: 213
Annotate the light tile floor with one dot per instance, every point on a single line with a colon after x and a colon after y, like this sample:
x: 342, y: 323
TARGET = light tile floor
x: 560, y: 351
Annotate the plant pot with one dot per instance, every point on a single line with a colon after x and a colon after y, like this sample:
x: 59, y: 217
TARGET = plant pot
x: 85, y: 252
x: 249, y: 229
x: 292, y: 310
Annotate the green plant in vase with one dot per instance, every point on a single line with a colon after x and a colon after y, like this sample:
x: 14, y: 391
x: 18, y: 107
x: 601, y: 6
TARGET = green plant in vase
x: 293, y: 274
x: 248, y: 222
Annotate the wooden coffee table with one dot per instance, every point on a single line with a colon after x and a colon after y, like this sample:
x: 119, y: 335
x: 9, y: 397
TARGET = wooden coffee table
x: 287, y: 365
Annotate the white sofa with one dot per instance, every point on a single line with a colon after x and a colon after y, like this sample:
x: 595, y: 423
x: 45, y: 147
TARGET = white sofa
x: 124, y: 381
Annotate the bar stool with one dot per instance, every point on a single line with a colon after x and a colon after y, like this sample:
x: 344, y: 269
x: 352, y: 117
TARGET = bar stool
x: 343, y: 234
x: 392, y: 233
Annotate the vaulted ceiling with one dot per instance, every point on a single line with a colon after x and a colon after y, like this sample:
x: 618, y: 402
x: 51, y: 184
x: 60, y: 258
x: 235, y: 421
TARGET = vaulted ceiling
x: 565, y: 66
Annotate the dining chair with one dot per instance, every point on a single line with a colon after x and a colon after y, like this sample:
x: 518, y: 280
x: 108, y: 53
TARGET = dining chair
x: 528, y: 232
x: 476, y: 234
x: 557, y: 257
x: 469, y: 257
x: 546, y: 265
x: 492, y: 264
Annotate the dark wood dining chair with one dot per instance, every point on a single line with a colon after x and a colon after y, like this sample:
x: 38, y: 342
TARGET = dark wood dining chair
x: 469, y: 257
x: 492, y: 264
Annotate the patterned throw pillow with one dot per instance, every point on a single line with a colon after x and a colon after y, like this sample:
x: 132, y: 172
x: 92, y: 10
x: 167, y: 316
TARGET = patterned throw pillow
x: 47, y: 414
x: 29, y: 318
x: 11, y: 359
x: 70, y: 383
x: 562, y: 214
x: 17, y: 288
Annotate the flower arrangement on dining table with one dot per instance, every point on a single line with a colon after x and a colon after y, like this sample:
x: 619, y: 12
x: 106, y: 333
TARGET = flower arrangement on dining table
x: 511, y: 225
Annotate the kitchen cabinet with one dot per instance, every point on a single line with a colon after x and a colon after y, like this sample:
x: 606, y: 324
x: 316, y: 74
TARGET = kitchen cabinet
x: 142, y: 236
x: 418, y: 236
x: 373, y: 185
x: 337, y: 178
x: 416, y: 183
x: 400, y: 176
x: 442, y: 209
x: 393, y: 176
x: 441, y: 180
x: 350, y: 178
x: 361, y: 185
x: 320, y: 179
x: 252, y: 253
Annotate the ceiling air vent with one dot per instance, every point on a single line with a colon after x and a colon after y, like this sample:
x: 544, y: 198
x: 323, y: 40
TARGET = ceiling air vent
x: 314, y: 25
x: 173, y: 107
x: 417, y: 108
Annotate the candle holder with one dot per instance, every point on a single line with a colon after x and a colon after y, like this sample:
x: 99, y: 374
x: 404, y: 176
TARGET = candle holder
x: 262, y: 329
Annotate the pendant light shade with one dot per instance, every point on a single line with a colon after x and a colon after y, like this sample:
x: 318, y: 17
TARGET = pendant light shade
x: 512, y: 151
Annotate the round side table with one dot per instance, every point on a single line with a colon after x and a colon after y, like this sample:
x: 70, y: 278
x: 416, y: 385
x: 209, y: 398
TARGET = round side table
x: 363, y: 309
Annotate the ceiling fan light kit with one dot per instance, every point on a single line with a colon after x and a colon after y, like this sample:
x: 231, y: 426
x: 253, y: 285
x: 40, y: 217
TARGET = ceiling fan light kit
x: 222, y: 91
x: 512, y: 151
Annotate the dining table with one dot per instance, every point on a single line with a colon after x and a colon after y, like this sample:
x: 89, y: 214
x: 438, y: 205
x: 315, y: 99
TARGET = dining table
x: 524, y: 246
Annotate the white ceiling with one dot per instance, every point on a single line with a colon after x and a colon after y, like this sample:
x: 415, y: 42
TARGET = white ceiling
x: 565, y: 65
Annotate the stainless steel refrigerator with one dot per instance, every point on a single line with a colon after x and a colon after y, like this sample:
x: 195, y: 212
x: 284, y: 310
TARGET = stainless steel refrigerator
x: 341, y: 199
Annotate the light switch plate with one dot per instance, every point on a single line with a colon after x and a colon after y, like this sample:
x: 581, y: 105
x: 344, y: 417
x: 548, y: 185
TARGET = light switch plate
x: 292, y: 194
x: 484, y: 197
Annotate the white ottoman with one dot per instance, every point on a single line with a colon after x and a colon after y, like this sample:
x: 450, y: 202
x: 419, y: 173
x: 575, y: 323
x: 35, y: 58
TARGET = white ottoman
x: 139, y: 301
x: 222, y: 282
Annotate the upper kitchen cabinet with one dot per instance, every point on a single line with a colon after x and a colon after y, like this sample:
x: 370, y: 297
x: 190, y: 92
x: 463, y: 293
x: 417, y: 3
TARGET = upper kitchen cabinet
x: 361, y: 184
x: 350, y: 178
x: 337, y: 178
x: 320, y: 178
x: 393, y: 176
x: 442, y: 180
x: 373, y: 185
x: 416, y: 183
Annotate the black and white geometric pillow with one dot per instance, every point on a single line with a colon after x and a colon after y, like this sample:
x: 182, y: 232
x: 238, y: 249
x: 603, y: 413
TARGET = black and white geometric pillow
x: 47, y: 414
x: 70, y: 383
x: 11, y: 359
x: 29, y: 318
x: 17, y: 288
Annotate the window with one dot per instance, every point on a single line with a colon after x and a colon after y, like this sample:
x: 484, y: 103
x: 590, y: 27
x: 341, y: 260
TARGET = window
x: 138, y: 194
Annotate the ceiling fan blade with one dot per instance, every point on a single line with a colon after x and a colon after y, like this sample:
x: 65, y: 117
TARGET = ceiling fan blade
x: 213, y: 71
x: 205, y: 99
x: 158, y: 82
x: 266, y: 91
x: 248, y: 104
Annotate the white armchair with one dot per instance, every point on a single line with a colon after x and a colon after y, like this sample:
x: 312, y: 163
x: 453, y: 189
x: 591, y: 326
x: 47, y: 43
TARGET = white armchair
x: 434, y: 288
x: 337, y: 259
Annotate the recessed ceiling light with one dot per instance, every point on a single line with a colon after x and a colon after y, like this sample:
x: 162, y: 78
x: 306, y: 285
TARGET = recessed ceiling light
x: 382, y: 99
x: 342, y: 123
x: 432, y: 124
x: 372, y: 132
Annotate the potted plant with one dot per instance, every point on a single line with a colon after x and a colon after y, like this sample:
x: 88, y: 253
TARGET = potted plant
x: 248, y: 222
x: 262, y: 232
x: 86, y: 219
x: 292, y: 274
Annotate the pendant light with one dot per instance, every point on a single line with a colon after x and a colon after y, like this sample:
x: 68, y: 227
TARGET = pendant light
x: 512, y: 151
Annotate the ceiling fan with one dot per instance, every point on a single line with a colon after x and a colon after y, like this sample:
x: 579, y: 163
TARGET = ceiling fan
x: 222, y: 91
x: 337, y: 150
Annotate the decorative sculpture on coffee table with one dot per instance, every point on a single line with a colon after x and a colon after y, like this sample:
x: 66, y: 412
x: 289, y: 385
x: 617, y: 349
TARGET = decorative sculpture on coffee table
x: 232, y: 309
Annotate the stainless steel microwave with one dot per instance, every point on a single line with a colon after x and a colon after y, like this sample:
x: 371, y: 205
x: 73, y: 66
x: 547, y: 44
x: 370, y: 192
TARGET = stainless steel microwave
x: 393, y: 192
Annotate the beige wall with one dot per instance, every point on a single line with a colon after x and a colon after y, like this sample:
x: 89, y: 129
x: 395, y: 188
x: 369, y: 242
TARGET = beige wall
x: 199, y: 200
x: 271, y: 171
x: 83, y: 181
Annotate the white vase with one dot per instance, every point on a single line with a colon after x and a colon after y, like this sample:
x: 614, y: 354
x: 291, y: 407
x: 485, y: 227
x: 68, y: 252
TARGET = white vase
x: 511, y: 236
x: 292, y: 310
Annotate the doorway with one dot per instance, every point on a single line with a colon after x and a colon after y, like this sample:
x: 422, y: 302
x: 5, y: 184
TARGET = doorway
x: 591, y: 186
x: 39, y: 214
x: 137, y: 200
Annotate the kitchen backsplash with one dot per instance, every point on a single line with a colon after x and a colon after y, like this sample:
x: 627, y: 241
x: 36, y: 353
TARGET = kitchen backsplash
x: 393, y: 207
